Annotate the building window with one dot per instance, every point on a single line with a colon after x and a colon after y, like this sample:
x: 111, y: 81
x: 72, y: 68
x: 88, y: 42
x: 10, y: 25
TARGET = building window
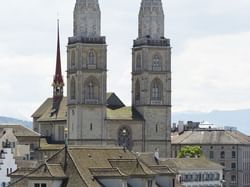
x: 233, y: 165
x: 156, y: 66
x: 40, y: 185
x: 125, y: 138
x: 233, y: 178
x: 73, y: 58
x: 222, y: 155
x: 233, y: 154
x: 91, y: 58
x: 138, y: 65
x: 156, y: 90
x: 137, y: 91
x: 73, y: 88
x: 91, y: 91
x: 150, y: 183
x: 211, y: 155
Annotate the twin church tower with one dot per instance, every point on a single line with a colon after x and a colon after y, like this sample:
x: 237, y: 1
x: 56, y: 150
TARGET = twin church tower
x: 95, y: 117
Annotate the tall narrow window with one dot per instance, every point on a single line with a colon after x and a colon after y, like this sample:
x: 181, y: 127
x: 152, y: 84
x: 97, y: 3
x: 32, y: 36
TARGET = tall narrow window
x: 91, y: 90
x: 73, y: 58
x: 137, y: 91
x: 222, y: 154
x: 233, y: 154
x: 73, y: 88
x: 211, y: 155
x: 138, y: 65
x: 156, y: 90
x: 156, y: 65
x: 91, y: 58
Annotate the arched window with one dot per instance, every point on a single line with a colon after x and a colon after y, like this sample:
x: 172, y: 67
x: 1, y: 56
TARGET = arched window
x: 91, y: 58
x: 138, y: 65
x: 137, y: 91
x: 156, y: 90
x: 125, y: 138
x: 156, y: 65
x: 73, y: 58
x: 91, y: 91
x: 73, y: 88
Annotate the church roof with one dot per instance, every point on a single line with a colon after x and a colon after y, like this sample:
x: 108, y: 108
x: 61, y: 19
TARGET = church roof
x: 113, y: 101
x: 124, y: 113
x: 43, y: 113
x: 116, y: 110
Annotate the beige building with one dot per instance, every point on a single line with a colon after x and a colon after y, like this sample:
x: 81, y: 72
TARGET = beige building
x: 91, y: 115
x: 230, y: 148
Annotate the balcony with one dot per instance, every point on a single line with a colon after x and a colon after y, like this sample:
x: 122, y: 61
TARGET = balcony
x: 89, y: 40
x: 152, y: 42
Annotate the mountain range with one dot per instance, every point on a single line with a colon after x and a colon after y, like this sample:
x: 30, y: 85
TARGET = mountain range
x: 235, y: 118
x: 14, y: 121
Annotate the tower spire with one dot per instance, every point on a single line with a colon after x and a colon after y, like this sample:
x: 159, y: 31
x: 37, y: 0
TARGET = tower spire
x: 58, y: 78
x: 151, y: 19
x: 87, y: 18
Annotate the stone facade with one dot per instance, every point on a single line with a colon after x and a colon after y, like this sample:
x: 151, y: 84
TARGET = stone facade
x: 151, y: 76
x: 229, y: 148
x: 95, y: 117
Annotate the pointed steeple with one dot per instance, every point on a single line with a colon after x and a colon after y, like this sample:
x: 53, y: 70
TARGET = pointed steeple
x: 87, y: 18
x: 58, y: 79
x: 58, y: 83
x: 151, y: 19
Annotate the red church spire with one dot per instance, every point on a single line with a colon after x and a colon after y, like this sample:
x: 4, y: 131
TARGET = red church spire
x: 58, y: 79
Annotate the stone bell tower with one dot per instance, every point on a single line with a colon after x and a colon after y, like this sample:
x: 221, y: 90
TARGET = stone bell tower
x: 151, y: 77
x: 87, y: 74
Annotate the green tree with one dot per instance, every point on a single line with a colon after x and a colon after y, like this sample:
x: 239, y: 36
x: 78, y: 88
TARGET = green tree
x: 190, y: 151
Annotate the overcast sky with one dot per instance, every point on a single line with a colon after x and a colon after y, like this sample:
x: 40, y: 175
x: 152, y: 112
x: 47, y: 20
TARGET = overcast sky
x: 210, y: 59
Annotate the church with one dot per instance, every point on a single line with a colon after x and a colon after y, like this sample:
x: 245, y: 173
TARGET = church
x: 91, y: 116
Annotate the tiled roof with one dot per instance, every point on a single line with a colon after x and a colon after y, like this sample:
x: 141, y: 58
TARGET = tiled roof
x: 116, y: 110
x: 45, y: 146
x: 46, y: 109
x: 148, y: 159
x: 210, y: 137
x: 124, y: 113
x: 88, y: 158
x: 54, y: 171
x: 106, y: 172
x: 191, y: 164
x: 20, y: 131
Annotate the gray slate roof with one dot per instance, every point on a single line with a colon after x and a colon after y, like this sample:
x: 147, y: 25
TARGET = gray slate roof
x: 20, y: 131
x: 210, y: 137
